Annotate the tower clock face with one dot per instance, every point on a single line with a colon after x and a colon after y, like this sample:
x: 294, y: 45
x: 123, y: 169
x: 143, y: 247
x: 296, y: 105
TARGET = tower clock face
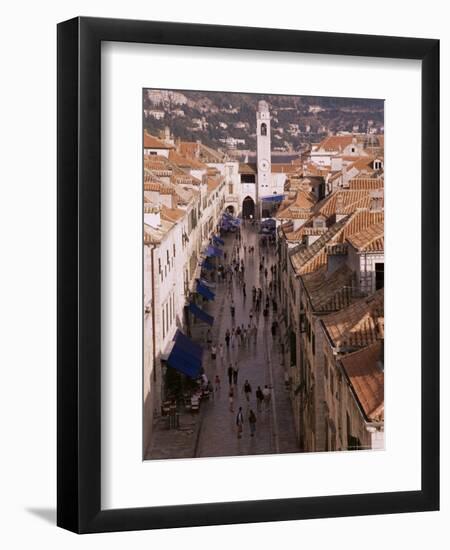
x: 263, y: 165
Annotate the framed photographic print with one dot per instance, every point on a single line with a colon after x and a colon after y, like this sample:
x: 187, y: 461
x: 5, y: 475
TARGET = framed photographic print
x: 248, y: 237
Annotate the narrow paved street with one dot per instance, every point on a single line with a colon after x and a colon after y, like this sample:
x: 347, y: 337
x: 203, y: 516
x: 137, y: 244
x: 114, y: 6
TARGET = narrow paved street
x: 258, y: 363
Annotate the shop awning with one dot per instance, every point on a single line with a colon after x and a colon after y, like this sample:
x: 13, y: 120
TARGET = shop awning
x: 269, y: 222
x: 213, y: 251
x: 188, y: 345
x: 206, y: 265
x: 201, y: 314
x: 183, y: 362
x: 273, y: 198
x: 205, y: 292
x: 206, y: 283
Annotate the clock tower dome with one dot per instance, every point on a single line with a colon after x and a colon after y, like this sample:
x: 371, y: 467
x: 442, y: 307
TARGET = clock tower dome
x: 263, y: 157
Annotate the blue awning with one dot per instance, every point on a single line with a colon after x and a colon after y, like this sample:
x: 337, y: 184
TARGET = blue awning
x: 206, y: 283
x: 205, y: 292
x: 213, y: 251
x: 270, y: 222
x: 218, y: 240
x: 273, y: 198
x: 228, y: 218
x: 188, y: 345
x: 200, y: 314
x: 183, y: 362
x: 205, y: 264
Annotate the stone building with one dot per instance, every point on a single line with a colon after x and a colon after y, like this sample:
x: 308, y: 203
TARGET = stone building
x: 183, y: 201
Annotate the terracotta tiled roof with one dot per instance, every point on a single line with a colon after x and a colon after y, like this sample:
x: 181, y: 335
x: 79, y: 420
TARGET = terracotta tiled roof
x: 344, y: 201
x: 158, y: 165
x: 284, y: 168
x: 189, y: 148
x: 329, y: 291
x: 366, y: 183
x: 152, y: 142
x: 359, y: 221
x: 364, y: 373
x: 370, y: 239
x: 335, y: 143
x: 310, y: 258
x: 200, y: 151
x: 247, y: 168
x: 172, y: 214
x: 212, y: 183
x: 298, y: 208
x: 358, y: 325
x: 305, y: 229
x: 361, y: 163
x: 163, y: 188
x: 185, y: 162
x: 152, y: 235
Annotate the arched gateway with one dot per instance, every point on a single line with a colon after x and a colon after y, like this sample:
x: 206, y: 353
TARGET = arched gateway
x: 248, y: 208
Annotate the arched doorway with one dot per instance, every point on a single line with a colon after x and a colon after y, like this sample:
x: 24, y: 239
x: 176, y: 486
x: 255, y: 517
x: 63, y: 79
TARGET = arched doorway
x: 248, y: 208
x: 230, y: 209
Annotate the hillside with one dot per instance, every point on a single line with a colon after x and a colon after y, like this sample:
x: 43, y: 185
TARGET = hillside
x: 227, y: 120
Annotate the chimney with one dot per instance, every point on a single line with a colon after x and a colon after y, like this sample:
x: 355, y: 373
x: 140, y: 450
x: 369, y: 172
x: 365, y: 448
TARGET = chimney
x: 376, y: 200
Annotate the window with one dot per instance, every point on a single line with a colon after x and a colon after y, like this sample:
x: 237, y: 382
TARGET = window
x: 264, y: 129
x: 247, y: 178
x: 230, y: 188
x: 174, y: 251
x: 379, y: 276
x: 163, y: 323
x: 313, y: 343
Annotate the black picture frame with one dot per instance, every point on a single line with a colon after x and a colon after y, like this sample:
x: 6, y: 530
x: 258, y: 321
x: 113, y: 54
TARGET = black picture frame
x: 79, y: 276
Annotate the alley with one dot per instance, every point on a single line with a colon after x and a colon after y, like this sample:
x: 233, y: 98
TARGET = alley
x: 257, y: 357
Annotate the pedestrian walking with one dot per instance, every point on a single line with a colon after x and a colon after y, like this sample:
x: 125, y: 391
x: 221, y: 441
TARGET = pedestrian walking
x: 232, y: 309
x: 230, y: 374
x: 235, y: 374
x: 247, y: 389
x: 259, y: 399
x: 227, y: 338
x: 213, y: 352
x: 217, y: 382
x: 210, y: 389
x: 239, y: 422
x: 252, y: 422
x: 266, y: 394
x: 231, y: 399
x: 273, y: 329
x: 221, y: 352
x: 209, y: 336
x: 244, y: 292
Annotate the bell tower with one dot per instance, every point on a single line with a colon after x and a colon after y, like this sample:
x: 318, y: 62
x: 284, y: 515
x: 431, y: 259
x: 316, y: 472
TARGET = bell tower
x: 263, y: 157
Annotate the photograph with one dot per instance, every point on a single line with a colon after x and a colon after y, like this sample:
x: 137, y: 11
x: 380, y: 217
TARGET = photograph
x: 263, y: 259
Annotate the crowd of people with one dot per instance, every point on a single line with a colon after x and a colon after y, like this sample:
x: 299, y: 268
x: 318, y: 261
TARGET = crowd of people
x: 241, y: 333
